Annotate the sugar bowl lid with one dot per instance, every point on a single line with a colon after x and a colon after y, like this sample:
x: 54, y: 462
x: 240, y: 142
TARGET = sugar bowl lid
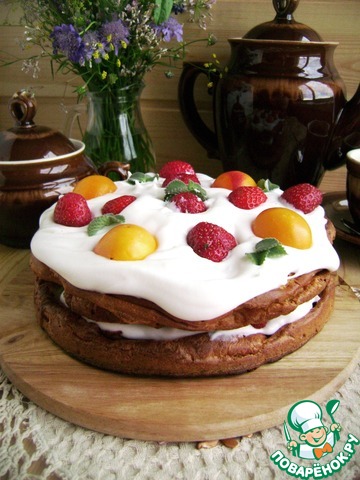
x: 26, y: 140
x: 284, y: 26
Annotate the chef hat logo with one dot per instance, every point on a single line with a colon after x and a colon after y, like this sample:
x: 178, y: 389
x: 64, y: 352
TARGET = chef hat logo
x: 305, y: 416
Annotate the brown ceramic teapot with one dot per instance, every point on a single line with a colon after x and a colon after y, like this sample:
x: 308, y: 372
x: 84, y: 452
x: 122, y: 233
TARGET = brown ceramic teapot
x: 279, y: 109
x: 37, y: 164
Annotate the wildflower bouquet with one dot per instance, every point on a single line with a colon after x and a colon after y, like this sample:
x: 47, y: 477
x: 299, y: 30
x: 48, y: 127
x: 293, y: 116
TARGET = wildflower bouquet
x: 111, y: 44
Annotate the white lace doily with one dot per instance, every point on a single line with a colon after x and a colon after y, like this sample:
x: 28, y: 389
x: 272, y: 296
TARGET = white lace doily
x: 35, y: 444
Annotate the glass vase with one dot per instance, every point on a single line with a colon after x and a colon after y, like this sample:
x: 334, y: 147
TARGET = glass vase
x: 115, y: 129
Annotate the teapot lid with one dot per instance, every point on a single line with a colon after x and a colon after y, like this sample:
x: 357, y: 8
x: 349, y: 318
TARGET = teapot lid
x: 284, y: 26
x: 26, y: 140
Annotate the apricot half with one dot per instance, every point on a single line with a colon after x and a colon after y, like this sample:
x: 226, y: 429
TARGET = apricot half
x: 94, y: 186
x: 126, y: 242
x: 233, y: 179
x: 285, y: 225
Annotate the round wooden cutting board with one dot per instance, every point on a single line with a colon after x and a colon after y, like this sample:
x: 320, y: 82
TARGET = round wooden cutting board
x: 172, y: 409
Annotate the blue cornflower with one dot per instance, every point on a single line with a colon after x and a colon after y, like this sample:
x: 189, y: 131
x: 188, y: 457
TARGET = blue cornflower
x: 114, y: 34
x: 91, y: 41
x: 170, y: 29
x: 67, y: 40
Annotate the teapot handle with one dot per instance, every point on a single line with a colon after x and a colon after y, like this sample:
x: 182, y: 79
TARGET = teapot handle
x: 345, y: 134
x: 203, y: 134
x: 121, y: 169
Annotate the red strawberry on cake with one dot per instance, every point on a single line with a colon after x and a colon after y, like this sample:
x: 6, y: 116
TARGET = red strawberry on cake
x: 187, y: 202
x: 304, y: 197
x: 176, y: 167
x: 72, y: 210
x: 210, y: 241
x: 184, y: 177
x: 247, y: 197
x: 117, y: 204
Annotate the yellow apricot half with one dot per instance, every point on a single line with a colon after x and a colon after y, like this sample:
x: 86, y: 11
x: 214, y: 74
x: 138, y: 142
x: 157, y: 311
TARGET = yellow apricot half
x: 233, y: 179
x: 285, y: 225
x: 126, y: 242
x: 94, y: 186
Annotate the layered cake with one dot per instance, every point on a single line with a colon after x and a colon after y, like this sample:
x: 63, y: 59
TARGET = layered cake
x: 176, y: 274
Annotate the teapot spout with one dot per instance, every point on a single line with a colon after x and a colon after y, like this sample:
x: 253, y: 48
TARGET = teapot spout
x: 345, y: 135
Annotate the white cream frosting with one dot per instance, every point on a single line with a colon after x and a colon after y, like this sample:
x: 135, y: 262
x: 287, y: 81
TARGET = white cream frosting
x: 174, y: 277
x: 143, y: 332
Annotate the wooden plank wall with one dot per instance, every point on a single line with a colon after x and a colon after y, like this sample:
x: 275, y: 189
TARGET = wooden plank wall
x: 335, y: 20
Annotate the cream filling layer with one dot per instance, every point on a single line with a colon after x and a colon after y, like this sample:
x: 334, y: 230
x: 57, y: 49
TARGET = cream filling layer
x: 142, y: 332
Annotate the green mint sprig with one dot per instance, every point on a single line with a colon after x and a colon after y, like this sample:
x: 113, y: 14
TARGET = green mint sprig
x: 141, y: 178
x: 98, y: 223
x: 266, y: 185
x: 267, y: 248
x: 178, y: 186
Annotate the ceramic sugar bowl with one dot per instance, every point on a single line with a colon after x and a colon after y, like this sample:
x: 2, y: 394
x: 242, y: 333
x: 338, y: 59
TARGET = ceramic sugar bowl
x: 37, y: 164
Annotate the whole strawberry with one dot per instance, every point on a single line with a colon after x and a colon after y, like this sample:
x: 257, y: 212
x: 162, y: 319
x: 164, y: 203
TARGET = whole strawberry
x: 72, y: 210
x: 188, y: 202
x: 247, y: 198
x: 304, y: 197
x: 173, y: 168
x: 210, y: 241
x: 184, y: 177
x: 117, y: 204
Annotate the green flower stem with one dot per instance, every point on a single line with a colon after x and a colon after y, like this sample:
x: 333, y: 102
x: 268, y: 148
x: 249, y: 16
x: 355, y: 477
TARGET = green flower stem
x: 116, y: 131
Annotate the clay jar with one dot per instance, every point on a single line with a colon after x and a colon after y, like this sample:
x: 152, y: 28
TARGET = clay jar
x: 275, y: 106
x: 37, y: 164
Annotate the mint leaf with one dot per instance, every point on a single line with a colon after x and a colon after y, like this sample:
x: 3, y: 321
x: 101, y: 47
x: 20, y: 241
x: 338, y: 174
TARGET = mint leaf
x: 266, y: 244
x: 141, y: 178
x: 266, y: 185
x: 98, y: 223
x: 178, y: 186
x: 175, y: 187
x: 257, y: 257
x: 277, y: 251
x: 196, y: 188
x: 268, y: 247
